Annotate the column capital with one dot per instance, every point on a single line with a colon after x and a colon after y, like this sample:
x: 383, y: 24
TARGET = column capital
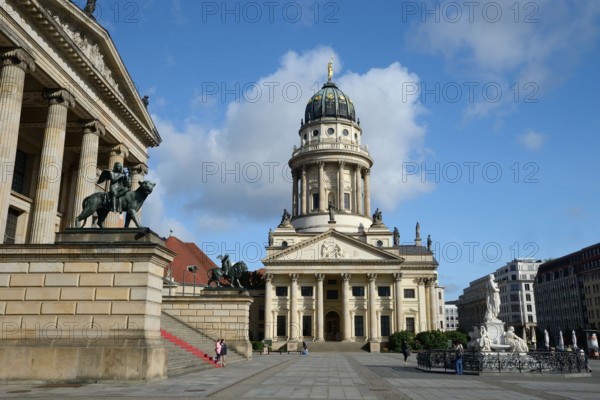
x: 93, y: 126
x: 59, y: 96
x: 119, y: 150
x: 346, y: 277
x: 268, y: 277
x: 320, y: 277
x: 294, y: 277
x: 397, y: 276
x: 372, y: 277
x: 141, y: 169
x: 17, y: 57
x: 367, y: 171
x: 321, y: 164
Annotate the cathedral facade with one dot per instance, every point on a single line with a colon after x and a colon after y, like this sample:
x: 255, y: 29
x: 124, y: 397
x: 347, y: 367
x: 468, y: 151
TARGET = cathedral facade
x: 334, y: 271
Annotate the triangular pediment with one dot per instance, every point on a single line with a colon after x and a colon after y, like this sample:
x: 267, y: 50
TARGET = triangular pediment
x: 333, y: 246
x: 90, y: 48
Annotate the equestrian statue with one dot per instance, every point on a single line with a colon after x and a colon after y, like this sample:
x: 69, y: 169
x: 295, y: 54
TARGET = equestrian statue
x: 232, y: 273
x: 117, y: 199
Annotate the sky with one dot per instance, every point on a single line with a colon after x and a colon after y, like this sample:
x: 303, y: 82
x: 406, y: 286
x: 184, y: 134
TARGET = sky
x: 482, y: 118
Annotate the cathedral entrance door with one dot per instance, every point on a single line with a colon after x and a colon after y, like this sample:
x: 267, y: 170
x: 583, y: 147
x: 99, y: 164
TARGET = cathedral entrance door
x: 332, y: 327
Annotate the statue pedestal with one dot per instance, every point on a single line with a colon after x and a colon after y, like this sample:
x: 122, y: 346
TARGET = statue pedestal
x: 495, y: 331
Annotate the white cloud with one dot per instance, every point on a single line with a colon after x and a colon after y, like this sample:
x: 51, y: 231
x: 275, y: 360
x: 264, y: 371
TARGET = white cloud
x: 220, y: 178
x: 526, y: 51
x: 531, y: 140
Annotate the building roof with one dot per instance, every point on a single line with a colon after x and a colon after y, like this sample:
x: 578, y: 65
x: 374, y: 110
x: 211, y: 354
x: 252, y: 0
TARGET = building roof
x: 188, y: 254
x: 330, y: 101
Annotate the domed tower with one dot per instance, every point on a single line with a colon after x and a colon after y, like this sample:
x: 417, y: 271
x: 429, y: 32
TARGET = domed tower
x: 330, y: 168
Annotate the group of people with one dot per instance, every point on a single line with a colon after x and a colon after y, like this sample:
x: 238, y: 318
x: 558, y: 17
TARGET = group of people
x: 221, y: 352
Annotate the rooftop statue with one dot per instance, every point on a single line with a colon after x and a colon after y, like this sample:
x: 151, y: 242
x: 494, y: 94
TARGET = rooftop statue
x: 286, y: 218
x: 119, y: 184
x: 377, y: 218
x: 330, y: 70
x: 89, y: 8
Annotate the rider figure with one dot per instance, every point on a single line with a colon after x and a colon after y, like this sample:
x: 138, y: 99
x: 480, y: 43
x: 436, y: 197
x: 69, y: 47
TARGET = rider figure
x: 119, y: 184
x: 225, y: 265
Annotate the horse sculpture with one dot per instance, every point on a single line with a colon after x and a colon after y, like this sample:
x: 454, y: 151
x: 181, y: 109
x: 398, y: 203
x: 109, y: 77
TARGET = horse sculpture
x: 131, y: 203
x: 233, y: 276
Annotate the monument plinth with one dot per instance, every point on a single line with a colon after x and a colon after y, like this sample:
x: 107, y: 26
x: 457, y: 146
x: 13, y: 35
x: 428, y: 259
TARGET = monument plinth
x: 86, y: 308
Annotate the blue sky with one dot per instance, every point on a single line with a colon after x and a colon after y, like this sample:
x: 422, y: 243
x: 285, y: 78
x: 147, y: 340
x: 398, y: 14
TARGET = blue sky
x: 482, y: 118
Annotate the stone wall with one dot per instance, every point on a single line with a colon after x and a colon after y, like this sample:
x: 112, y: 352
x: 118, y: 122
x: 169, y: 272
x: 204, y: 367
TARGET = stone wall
x: 218, y: 313
x: 84, y: 309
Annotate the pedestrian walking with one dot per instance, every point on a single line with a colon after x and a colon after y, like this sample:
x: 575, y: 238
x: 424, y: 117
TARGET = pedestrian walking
x: 582, y: 360
x: 218, y: 351
x: 405, y: 350
x: 223, y: 352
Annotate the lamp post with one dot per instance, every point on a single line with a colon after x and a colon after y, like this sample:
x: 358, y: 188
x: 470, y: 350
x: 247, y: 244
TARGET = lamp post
x: 193, y: 269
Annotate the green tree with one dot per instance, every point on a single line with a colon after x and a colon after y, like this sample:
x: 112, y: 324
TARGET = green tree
x: 431, y: 340
x: 397, y: 338
x: 457, y: 335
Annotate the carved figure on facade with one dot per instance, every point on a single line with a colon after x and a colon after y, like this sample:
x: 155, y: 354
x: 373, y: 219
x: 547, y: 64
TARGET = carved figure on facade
x: 331, y: 210
x: 131, y: 202
x: 286, y: 218
x: 332, y: 251
x: 377, y: 218
x: 484, y: 341
x: 231, y: 273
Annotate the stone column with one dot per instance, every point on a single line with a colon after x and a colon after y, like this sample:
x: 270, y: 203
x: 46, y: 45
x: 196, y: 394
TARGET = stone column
x: 347, y: 333
x: 372, y: 308
x: 303, y: 194
x: 88, y: 163
x: 367, y: 192
x: 294, y: 308
x: 15, y: 63
x: 117, y: 154
x: 268, y: 306
x: 295, y: 194
x: 323, y: 203
x: 357, y: 207
x: 45, y: 206
x: 398, y: 300
x: 341, y: 185
x: 422, y: 298
x: 138, y: 172
x: 320, y: 308
x: 432, y: 301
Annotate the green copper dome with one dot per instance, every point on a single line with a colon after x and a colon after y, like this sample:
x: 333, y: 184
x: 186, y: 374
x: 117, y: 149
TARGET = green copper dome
x: 329, y: 102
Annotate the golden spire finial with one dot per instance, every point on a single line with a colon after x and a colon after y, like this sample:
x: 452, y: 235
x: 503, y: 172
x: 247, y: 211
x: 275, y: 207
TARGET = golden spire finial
x: 330, y: 70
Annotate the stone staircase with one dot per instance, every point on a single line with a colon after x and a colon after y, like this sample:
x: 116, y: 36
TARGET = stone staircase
x: 188, y: 349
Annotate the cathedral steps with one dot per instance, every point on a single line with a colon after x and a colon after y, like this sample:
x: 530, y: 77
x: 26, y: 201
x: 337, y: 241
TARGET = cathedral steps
x: 330, y: 347
x: 189, y: 349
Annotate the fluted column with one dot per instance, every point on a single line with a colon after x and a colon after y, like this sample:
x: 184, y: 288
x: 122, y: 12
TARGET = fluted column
x: 138, y: 172
x: 295, y: 194
x: 398, y: 300
x: 367, y: 192
x: 357, y: 190
x: 117, y: 154
x: 269, y: 328
x: 320, y: 309
x: 294, y: 326
x: 45, y: 206
x: 88, y: 163
x: 15, y: 63
x: 323, y: 203
x: 340, y: 204
x: 303, y: 194
x: 372, y: 308
x: 422, y: 298
x: 347, y: 333
x: 432, y: 301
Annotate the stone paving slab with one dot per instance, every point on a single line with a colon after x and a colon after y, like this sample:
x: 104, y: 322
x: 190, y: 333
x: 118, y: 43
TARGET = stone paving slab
x: 327, y: 376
